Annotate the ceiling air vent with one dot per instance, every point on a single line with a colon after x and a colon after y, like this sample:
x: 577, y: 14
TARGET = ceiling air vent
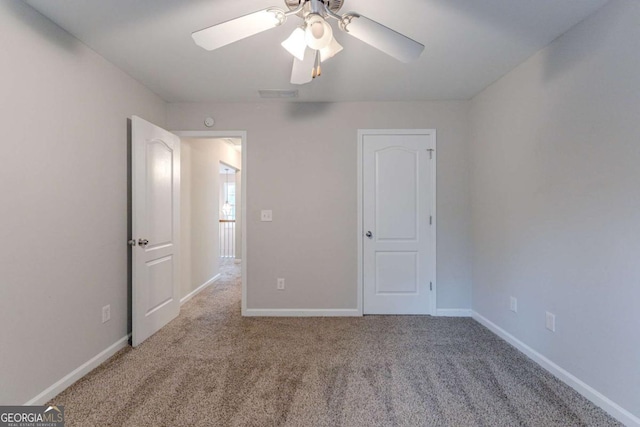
x: 275, y: 94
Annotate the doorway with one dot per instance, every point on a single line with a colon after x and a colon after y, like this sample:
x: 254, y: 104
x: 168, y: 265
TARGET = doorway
x: 208, y: 154
x: 396, y: 215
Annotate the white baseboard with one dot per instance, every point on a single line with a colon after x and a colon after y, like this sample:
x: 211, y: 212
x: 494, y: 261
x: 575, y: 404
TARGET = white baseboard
x: 599, y: 399
x: 78, y: 373
x: 259, y: 312
x: 199, y: 289
x: 454, y: 312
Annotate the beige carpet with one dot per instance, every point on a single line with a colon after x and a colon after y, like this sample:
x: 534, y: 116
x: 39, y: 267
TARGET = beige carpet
x: 211, y: 367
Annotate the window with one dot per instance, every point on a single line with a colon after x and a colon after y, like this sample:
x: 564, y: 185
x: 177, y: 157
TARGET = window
x: 230, y: 192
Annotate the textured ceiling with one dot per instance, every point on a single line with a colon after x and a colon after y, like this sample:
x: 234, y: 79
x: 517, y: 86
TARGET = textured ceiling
x: 469, y: 45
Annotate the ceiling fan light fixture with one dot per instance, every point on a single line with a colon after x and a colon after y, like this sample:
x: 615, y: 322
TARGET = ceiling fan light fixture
x: 313, y: 42
x: 318, y: 33
x: 331, y: 50
x: 296, y: 44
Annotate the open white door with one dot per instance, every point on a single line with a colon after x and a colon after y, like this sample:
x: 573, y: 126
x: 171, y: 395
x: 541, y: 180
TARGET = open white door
x: 398, y: 235
x: 155, y: 162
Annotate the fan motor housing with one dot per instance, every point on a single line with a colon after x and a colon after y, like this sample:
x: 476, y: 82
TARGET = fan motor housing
x: 334, y: 5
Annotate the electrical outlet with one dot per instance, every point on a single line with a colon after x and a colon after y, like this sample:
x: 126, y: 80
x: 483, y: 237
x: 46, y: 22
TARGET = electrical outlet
x: 551, y: 322
x: 280, y: 284
x: 513, y: 305
x: 106, y: 313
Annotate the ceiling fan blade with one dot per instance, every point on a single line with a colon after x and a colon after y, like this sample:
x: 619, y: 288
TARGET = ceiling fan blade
x: 239, y: 28
x: 302, y: 70
x: 382, y: 38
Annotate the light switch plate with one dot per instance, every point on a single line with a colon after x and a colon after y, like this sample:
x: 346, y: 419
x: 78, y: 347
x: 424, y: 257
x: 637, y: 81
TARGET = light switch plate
x: 266, y: 215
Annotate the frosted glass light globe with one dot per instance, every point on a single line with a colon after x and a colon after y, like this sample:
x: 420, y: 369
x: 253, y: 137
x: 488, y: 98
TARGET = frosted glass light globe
x: 318, y: 33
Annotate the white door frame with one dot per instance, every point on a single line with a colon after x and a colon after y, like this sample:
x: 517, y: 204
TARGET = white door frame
x: 360, y: 228
x: 212, y: 134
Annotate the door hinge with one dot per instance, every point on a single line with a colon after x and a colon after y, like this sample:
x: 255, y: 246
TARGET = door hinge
x: 430, y: 150
x: 430, y: 220
x: 430, y: 286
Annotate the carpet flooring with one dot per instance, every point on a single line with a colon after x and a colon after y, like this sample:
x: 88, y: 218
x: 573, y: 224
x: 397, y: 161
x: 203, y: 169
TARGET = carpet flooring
x: 211, y: 367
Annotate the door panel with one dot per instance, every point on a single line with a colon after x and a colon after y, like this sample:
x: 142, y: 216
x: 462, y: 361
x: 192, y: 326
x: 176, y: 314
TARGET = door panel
x: 155, y: 227
x: 396, y: 211
x: 159, y: 165
x: 160, y: 273
x: 398, y: 254
x: 396, y: 273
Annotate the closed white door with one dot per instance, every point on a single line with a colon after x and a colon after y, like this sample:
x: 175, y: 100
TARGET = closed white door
x: 155, y: 155
x: 398, y: 222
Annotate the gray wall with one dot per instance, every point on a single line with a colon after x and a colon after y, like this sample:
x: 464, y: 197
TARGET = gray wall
x: 556, y: 201
x: 63, y: 216
x: 312, y: 239
x: 200, y: 208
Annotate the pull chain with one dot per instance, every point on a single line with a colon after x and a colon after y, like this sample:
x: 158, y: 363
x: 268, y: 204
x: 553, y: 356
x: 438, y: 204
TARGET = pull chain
x: 317, y: 70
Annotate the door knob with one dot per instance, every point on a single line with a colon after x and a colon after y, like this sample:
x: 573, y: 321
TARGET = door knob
x: 143, y: 242
x: 369, y: 234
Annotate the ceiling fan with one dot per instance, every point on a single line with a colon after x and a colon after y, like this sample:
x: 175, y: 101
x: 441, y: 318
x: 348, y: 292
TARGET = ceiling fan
x: 312, y: 42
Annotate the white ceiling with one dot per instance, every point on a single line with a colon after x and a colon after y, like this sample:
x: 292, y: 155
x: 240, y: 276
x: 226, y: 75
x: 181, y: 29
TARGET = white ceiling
x: 236, y: 143
x: 469, y: 45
